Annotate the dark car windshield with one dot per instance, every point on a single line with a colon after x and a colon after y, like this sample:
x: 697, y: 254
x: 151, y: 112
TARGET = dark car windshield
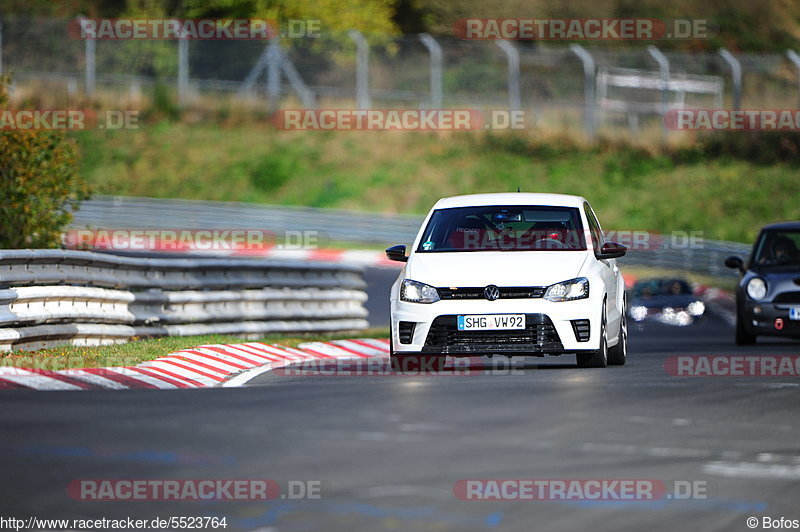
x: 504, y: 228
x: 661, y: 287
x: 777, y: 248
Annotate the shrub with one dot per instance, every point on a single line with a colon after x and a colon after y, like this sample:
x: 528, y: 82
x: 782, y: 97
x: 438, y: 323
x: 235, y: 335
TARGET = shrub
x: 39, y: 185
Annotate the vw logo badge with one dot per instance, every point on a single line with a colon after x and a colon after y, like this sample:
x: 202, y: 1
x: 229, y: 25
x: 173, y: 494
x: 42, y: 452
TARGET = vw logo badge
x: 491, y: 292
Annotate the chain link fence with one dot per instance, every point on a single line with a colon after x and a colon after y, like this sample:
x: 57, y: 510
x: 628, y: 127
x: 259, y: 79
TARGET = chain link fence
x: 557, y: 82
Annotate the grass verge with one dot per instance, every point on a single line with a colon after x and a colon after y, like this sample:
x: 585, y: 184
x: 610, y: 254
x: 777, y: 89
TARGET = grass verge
x: 725, y: 188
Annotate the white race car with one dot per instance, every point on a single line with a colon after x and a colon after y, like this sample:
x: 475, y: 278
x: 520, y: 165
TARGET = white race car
x: 512, y: 274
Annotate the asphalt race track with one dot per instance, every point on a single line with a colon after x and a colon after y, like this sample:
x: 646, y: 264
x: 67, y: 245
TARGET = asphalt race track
x: 389, y: 449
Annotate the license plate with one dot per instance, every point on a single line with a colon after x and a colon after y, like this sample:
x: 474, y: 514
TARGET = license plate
x: 491, y: 322
x: 794, y: 313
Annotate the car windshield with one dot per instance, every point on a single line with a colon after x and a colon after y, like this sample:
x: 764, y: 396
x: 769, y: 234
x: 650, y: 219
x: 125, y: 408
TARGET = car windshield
x: 778, y: 248
x: 504, y: 228
x: 661, y: 287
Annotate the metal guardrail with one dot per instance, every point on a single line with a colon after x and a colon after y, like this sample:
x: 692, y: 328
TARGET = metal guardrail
x: 106, y: 212
x: 707, y: 258
x: 49, y: 297
x: 110, y: 212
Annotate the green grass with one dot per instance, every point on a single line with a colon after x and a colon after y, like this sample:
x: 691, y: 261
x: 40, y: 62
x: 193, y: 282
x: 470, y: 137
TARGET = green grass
x: 137, y: 351
x: 659, y: 189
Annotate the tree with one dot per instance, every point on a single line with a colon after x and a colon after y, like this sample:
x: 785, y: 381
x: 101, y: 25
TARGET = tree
x: 39, y: 184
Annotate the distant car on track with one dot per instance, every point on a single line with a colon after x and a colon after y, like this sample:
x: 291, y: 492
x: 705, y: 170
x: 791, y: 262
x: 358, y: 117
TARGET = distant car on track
x: 669, y: 301
x: 768, y: 292
x: 512, y: 274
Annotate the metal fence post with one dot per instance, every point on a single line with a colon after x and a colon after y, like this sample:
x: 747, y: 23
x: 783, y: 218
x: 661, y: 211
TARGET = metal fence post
x: 436, y: 69
x: 273, y: 74
x: 663, y: 67
x: 1, y: 48
x: 590, y: 101
x: 183, y: 70
x: 736, y: 73
x: 303, y: 91
x: 90, y: 64
x: 794, y: 58
x: 362, y: 69
x: 512, y: 54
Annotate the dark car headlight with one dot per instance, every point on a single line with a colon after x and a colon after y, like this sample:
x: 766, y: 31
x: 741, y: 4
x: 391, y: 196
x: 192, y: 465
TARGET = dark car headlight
x: 416, y: 292
x: 568, y: 290
x: 757, y: 288
x: 696, y: 308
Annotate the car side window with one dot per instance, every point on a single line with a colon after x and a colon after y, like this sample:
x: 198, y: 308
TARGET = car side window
x: 594, y: 227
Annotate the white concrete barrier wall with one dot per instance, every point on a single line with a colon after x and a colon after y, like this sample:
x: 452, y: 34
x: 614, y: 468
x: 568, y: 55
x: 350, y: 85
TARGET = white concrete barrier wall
x: 52, y: 297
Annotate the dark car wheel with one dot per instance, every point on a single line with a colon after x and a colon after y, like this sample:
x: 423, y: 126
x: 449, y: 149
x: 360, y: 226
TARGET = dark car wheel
x: 599, y: 358
x: 742, y: 336
x: 618, y: 355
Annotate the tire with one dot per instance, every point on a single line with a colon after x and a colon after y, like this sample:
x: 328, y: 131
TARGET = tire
x: 599, y: 358
x: 417, y: 363
x: 742, y: 336
x: 618, y: 355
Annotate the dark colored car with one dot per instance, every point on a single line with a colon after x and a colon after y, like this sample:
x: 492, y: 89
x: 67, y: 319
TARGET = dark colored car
x: 768, y: 293
x: 670, y: 301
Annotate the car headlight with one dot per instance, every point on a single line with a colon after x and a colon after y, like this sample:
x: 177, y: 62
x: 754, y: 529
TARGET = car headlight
x: 757, y: 288
x: 416, y: 292
x: 696, y: 308
x: 638, y: 312
x: 568, y: 290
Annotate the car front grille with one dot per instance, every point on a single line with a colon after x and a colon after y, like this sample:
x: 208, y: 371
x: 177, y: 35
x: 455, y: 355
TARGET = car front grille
x: 506, y: 292
x: 787, y: 298
x: 538, y: 336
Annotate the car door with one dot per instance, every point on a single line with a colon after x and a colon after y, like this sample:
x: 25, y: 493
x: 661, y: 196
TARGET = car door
x: 609, y: 270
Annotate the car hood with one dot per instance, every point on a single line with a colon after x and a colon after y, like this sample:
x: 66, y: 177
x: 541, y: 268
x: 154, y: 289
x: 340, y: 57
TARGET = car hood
x: 501, y: 268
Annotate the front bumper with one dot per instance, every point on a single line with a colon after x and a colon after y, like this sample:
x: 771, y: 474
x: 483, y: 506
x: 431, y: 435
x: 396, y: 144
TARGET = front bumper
x: 764, y: 321
x: 550, y: 327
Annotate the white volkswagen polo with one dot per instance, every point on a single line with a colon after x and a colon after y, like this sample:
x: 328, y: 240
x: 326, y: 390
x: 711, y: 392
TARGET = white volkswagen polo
x: 512, y: 274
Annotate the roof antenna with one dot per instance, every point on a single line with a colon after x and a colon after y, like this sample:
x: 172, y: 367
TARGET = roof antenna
x: 517, y: 188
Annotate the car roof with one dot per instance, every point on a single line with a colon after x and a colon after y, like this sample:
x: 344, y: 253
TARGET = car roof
x: 782, y: 226
x: 510, y: 198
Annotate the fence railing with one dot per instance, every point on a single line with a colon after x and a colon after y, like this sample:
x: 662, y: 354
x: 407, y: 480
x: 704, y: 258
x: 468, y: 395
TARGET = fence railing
x: 50, y: 297
x: 698, y: 256
x: 555, y: 81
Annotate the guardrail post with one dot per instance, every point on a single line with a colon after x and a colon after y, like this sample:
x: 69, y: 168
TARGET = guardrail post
x: 590, y: 100
x: 663, y: 67
x: 794, y: 58
x: 362, y: 69
x: 736, y: 73
x: 273, y: 74
x: 435, y: 52
x: 89, y: 54
x: 512, y: 54
x: 183, y: 70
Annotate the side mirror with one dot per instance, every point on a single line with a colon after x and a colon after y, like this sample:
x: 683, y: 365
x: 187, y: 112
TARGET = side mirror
x: 397, y: 253
x: 611, y: 250
x: 734, y: 263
